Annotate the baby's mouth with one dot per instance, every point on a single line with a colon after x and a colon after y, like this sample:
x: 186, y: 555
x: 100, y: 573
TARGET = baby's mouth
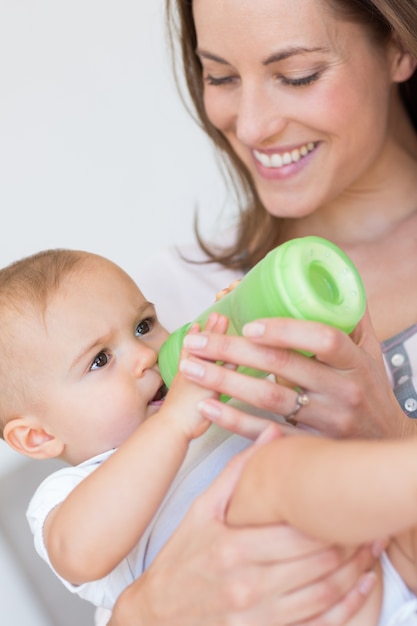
x: 159, y: 397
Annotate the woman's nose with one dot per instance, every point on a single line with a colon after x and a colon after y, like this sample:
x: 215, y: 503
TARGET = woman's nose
x: 259, y: 116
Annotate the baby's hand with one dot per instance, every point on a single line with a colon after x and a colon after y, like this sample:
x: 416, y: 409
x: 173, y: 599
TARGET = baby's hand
x: 223, y: 292
x: 184, y: 396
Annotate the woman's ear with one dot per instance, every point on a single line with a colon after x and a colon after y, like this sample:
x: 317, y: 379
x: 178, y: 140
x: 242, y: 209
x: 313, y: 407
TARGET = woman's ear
x: 405, y: 63
x: 30, y: 440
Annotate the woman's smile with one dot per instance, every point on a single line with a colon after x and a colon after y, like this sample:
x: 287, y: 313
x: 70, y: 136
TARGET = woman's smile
x: 278, y: 159
x: 303, y: 99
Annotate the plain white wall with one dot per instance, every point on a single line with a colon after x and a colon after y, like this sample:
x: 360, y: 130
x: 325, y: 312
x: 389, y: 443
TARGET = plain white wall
x: 96, y: 149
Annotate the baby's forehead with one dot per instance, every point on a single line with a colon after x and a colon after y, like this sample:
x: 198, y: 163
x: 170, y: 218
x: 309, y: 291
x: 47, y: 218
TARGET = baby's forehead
x: 91, y: 277
x: 99, y: 283
x: 20, y: 322
x: 22, y: 330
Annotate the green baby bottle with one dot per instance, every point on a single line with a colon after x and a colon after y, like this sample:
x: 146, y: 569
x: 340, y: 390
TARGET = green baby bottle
x: 306, y: 278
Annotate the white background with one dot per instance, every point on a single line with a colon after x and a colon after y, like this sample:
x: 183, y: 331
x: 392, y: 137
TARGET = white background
x: 97, y: 152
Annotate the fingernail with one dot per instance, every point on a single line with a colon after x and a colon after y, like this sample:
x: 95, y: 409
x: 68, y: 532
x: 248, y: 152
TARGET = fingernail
x: 208, y: 409
x: 195, y: 341
x: 195, y: 370
x: 367, y: 583
x: 378, y: 547
x: 253, y: 329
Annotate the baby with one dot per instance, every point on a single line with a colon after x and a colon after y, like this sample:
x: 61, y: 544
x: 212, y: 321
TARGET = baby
x: 79, y: 381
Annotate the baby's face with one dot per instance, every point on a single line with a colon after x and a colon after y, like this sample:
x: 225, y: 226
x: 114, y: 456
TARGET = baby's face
x: 95, y: 361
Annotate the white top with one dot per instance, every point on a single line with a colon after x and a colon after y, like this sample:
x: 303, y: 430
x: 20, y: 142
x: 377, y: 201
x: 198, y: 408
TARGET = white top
x: 180, y: 292
x: 206, y: 458
x: 399, y: 604
x: 193, y: 288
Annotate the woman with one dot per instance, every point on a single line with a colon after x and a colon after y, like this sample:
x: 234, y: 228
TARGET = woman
x: 312, y: 103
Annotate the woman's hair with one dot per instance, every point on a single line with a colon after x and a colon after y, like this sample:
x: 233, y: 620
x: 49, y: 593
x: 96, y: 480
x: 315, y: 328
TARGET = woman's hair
x: 258, y: 231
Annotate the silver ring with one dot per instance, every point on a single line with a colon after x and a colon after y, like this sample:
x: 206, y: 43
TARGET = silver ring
x: 302, y: 400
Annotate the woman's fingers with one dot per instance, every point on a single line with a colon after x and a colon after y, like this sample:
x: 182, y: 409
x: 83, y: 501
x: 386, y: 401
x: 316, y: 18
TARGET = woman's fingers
x: 334, y: 599
x: 261, y: 393
x: 270, y: 575
x: 273, y: 340
x: 232, y: 418
x: 347, y: 387
x: 348, y: 606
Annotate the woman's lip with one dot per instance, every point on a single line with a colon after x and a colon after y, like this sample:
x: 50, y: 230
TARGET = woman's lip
x: 275, y: 159
x: 274, y: 169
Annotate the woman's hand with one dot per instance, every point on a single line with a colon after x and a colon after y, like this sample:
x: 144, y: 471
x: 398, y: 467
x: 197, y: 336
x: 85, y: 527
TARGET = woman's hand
x: 211, y: 574
x: 216, y: 575
x: 346, y: 382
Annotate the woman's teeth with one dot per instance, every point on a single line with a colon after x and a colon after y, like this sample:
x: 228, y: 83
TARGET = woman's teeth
x: 285, y: 158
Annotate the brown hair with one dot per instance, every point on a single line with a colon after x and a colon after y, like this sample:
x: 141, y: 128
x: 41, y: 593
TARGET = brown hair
x: 33, y: 279
x: 258, y: 231
x: 27, y: 285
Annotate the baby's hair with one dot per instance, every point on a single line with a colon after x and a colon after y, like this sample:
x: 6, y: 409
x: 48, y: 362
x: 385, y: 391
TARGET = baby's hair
x: 33, y: 279
x: 26, y: 287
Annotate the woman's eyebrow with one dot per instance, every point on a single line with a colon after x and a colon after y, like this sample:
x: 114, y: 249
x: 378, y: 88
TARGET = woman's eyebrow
x: 211, y: 57
x: 281, y: 55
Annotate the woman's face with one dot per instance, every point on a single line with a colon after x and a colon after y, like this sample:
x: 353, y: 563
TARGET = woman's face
x: 302, y: 97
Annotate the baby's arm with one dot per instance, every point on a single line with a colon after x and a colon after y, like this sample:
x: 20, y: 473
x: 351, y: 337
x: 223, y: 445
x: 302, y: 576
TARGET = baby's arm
x: 104, y: 516
x: 344, y: 492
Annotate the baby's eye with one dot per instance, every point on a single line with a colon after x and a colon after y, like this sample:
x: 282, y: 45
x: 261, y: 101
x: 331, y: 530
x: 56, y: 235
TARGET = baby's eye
x: 100, y: 361
x: 145, y: 326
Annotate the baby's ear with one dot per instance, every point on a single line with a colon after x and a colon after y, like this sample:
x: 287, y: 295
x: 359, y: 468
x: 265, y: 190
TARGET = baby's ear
x: 31, y: 440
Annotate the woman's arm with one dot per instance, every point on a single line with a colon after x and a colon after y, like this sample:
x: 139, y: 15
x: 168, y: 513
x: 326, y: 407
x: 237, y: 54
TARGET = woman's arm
x: 210, y: 573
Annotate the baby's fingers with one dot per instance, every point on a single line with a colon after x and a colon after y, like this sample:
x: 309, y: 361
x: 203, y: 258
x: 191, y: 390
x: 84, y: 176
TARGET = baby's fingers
x: 216, y: 323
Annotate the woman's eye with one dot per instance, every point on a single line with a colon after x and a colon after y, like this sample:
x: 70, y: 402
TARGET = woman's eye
x: 300, y: 82
x: 100, y: 361
x: 221, y: 80
x: 144, y: 327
